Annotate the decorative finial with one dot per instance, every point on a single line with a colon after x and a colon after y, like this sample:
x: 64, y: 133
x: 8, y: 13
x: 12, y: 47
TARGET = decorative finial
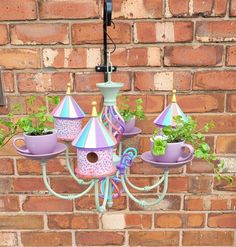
x: 68, y: 91
x: 94, y: 109
x: 173, y: 96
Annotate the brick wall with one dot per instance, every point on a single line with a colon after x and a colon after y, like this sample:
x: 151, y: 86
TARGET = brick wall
x: 184, y: 44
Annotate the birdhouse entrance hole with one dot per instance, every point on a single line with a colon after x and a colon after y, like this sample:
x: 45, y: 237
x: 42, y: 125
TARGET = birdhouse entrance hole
x: 92, y: 157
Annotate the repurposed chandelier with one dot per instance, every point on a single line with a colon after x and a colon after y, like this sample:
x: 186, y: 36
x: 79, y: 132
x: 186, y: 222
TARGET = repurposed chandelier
x: 101, y: 163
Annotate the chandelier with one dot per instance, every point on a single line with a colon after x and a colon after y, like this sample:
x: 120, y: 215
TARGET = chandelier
x: 102, y: 165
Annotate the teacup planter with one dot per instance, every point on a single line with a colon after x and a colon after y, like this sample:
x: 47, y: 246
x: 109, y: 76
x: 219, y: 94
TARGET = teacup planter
x: 68, y: 118
x: 95, y: 149
x: 130, y: 125
x: 174, y: 152
x: 37, y: 144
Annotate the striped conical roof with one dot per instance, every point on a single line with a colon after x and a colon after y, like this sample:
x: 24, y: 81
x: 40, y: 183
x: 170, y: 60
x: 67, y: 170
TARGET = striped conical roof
x: 166, y: 118
x: 68, y: 108
x: 94, y: 135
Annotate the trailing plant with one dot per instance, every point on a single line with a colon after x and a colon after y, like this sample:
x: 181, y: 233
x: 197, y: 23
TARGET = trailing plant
x: 187, y: 131
x: 127, y: 113
x: 36, y: 123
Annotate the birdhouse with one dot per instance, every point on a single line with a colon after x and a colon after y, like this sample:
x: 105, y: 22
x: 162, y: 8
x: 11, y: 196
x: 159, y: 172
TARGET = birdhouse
x: 95, y: 149
x: 166, y: 118
x: 68, y: 117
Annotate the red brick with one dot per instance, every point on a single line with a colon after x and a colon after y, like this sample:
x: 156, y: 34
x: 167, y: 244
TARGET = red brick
x: 168, y: 221
x: 6, y: 166
x: 66, y: 185
x: 142, y: 182
x: 169, y: 80
x: 210, y: 7
x: 19, y: 58
x: 222, y: 220
x: 69, y: 9
x: 71, y: 221
x: 9, y: 204
x: 170, y: 202
x: 136, y: 57
x: 214, y: 80
x: 3, y: 34
x: 99, y: 238
x: 150, y: 32
x: 231, y: 56
x: 138, y: 221
x: 223, y: 123
x: 32, y: 34
x: 43, y: 82
x: 200, y: 184
x: 86, y: 82
x: 177, y: 184
x: 179, y: 8
x: 8, y: 239
x: 199, y: 166
x: 86, y: 203
x: 151, y: 103
x: 83, y: 33
x: 216, y: 31
x: 137, y: 9
x: 231, y: 102
x: 193, y: 204
x: 46, y: 238
x: 154, y: 238
x: 71, y: 58
x: 46, y: 204
x: 28, y: 184
x: 200, y: 238
x: 30, y: 167
x: 7, y: 78
x: 5, y: 185
x: 193, y: 56
x: 209, y: 102
x: 219, y: 204
x: 21, y: 222
x: 18, y: 10
x: 232, y: 8
x: 226, y: 144
x: 224, y: 185
x: 195, y: 220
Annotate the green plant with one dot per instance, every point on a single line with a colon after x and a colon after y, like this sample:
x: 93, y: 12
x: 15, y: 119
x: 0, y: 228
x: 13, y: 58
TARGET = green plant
x: 187, y: 131
x: 127, y: 113
x: 36, y: 123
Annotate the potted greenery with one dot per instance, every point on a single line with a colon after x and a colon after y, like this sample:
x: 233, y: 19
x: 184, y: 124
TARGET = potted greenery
x: 38, y: 136
x: 186, y: 131
x: 130, y: 115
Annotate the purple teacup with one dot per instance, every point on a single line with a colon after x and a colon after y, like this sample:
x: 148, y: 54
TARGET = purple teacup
x: 129, y: 126
x: 42, y: 144
x: 175, y: 152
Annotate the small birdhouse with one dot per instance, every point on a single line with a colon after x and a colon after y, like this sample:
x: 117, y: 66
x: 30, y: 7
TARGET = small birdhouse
x: 166, y: 118
x: 95, y: 149
x: 68, y: 117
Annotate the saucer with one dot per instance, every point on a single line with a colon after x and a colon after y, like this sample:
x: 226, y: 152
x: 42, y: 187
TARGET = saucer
x: 133, y: 132
x: 58, y: 149
x: 147, y: 157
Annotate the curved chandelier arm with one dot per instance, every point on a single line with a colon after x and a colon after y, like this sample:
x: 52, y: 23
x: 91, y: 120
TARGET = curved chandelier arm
x: 68, y: 165
x: 66, y: 197
x: 102, y: 208
x: 146, y: 188
x: 143, y: 203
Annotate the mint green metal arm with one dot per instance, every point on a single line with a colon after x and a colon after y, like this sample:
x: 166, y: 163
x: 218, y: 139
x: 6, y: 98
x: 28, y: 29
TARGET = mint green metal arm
x: 146, y: 188
x: 78, y: 180
x: 66, y: 197
x: 102, y: 208
x: 144, y: 203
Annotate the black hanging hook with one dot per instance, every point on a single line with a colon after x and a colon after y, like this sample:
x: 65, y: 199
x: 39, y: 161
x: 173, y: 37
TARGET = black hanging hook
x: 107, y: 21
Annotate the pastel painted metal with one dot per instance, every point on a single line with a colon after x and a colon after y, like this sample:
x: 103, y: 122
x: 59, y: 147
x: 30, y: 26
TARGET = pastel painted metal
x: 166, y: 118
x: 68, y: 117
x: 95, y: 149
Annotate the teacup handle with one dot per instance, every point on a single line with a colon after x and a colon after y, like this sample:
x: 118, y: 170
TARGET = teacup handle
x: 22, y: 150
x: 191, y: 151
